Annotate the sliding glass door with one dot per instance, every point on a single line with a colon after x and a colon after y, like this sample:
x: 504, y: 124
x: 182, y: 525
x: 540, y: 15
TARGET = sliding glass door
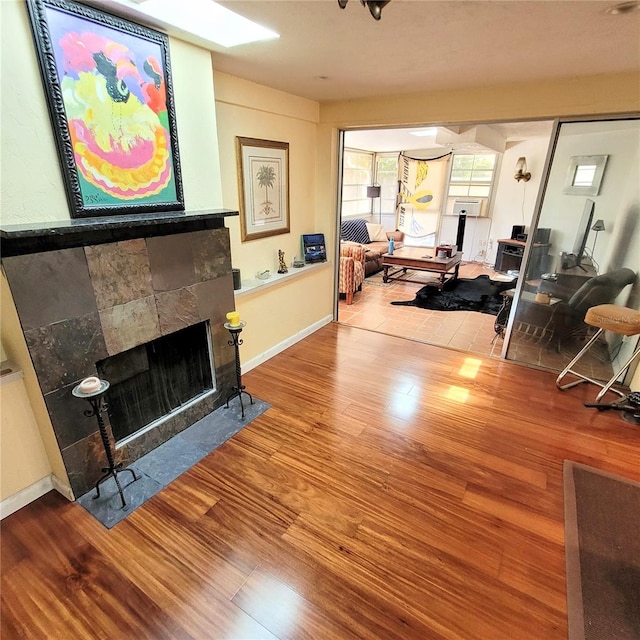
x: 588, y: 211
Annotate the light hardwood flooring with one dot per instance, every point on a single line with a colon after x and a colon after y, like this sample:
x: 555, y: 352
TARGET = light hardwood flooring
x: 394, y: 490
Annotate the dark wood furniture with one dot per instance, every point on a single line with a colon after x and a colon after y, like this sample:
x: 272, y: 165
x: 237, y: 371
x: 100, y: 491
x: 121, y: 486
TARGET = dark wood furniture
x: 563, y: 284
x: 420, y: 259
x: 509, y: 257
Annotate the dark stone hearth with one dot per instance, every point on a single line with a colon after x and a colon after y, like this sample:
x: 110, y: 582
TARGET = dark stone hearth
x: 165, y: 463
x: 130, y: 324
x: 67, y: 416
x: 21, y: 239
x: 171, y: 260
x: 56, y: 294
x: 177, y: 310
x: 211, y: 256
x: 50, y: 287
x: 120, y: 272
x: 54, y: 350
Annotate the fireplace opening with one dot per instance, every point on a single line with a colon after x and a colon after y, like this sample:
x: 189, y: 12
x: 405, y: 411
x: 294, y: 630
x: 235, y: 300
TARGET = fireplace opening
x: 156, y: 380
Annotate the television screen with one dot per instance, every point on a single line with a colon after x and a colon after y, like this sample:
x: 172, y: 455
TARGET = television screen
x: 583, y: 231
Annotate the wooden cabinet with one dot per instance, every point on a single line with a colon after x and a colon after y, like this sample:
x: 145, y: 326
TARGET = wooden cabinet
x: 509, y: 257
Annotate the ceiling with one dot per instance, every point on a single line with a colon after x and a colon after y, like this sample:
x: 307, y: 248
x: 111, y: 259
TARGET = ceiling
x: 473, y: 138
x: 325, y: 53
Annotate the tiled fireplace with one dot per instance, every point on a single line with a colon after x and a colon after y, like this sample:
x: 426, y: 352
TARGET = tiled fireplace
x: 90, y: 289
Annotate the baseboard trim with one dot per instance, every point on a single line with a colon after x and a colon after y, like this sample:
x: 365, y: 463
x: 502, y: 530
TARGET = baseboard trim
x: 25, y: 496
x: 62, y: 488
x: 33, y: 492
x: 37, y: 489
x: 285, y: 344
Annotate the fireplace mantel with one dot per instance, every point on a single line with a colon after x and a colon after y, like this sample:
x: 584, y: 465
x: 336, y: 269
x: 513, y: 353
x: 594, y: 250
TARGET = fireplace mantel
x: 91, y: 288
x: 22, y: 239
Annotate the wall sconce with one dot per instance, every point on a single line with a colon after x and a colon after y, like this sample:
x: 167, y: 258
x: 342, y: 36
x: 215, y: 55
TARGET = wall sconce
x: 375, y: 6
x: 597, y: 227
x: 521, y: 170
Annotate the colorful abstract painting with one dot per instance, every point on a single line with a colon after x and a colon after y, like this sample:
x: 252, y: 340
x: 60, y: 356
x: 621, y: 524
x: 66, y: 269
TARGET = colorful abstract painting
x: 109, y: 89
x: 419, y: 201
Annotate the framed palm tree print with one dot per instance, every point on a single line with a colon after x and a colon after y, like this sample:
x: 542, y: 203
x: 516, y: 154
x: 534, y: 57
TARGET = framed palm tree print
x: 263, y: 179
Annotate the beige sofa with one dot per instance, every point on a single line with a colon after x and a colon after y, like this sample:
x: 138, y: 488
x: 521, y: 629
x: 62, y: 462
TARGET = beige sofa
x: 377, y: 246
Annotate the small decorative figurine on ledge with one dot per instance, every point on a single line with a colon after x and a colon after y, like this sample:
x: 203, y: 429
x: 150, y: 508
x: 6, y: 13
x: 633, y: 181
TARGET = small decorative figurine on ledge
x: 283, y: 265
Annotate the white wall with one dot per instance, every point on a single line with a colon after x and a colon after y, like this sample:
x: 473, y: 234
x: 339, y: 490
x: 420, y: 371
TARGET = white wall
x: 562, y: 212
x: 513, y: 202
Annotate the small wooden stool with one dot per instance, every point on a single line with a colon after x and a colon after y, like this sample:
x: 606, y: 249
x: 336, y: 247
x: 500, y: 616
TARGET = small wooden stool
x: 607, y: 317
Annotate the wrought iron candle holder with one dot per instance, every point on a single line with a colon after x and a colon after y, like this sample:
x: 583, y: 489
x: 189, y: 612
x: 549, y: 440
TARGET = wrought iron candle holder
x: 96, y: 399
x: 235, y: 342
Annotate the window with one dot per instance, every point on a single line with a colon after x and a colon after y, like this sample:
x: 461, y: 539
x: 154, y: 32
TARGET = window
x: 387, y: 178
x: 357, y: 175
x: 472, y: 174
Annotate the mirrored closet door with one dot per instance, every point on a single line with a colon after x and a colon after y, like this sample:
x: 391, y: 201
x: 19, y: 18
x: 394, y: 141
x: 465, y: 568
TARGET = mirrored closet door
x: 590, y: 207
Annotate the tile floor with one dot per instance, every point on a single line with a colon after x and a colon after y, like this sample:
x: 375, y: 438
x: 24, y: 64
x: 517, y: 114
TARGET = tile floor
x: 462, y: 330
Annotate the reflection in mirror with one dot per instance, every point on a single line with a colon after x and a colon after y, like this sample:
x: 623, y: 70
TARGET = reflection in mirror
x: 585, y: 175
x: 547, y: 327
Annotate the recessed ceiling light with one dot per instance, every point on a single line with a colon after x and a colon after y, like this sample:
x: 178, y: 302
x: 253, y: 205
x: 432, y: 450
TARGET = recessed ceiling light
x: 203, y: 18
x: 623, y: 8
x: 425, y: 133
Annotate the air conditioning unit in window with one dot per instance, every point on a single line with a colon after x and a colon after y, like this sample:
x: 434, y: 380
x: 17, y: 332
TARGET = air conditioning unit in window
x: 469, y: 206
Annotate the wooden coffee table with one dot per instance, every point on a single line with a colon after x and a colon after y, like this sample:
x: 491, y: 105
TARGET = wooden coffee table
x: 420, y: 259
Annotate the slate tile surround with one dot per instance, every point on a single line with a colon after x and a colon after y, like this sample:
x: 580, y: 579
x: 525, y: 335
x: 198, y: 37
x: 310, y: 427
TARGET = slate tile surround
x: 77, y: 305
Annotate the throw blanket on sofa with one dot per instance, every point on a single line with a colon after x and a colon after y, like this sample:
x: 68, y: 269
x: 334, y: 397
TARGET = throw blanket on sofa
x: 355, y: 231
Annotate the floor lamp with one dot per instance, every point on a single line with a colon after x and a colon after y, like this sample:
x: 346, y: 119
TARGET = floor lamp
x: 374, y: 192
x: 597, y: 227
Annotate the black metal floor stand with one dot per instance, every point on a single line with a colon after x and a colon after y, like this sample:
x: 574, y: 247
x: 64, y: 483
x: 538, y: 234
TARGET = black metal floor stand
x: 98, y: 405
x: 235, y: 342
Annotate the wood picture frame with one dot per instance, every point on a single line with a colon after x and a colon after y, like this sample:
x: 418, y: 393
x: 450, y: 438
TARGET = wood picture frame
x: 263, y: 182
x: 110, y: 97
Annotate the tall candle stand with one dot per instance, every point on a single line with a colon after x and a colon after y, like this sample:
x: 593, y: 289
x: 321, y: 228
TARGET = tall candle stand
x: 235, y: 342
x: 98, y: 406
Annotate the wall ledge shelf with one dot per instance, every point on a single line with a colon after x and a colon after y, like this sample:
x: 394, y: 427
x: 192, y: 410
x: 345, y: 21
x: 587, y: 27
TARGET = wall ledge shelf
x: 253, y: 285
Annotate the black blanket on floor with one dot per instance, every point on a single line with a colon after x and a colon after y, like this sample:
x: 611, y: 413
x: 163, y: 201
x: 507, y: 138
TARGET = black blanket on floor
x: 478, y: 294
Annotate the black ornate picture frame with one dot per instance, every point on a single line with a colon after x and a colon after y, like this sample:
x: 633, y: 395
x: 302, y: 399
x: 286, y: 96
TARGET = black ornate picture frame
x: 110, y: 96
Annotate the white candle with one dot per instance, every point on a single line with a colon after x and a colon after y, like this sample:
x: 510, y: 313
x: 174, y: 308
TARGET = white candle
x: 90, y: 385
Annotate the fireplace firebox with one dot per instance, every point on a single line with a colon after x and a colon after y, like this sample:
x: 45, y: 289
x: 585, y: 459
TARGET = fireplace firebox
x: 137, y: 300
x: 153, y: 381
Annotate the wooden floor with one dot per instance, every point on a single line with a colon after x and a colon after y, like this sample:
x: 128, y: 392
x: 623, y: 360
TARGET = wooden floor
x: 463, y: 330
x: 393, y: 490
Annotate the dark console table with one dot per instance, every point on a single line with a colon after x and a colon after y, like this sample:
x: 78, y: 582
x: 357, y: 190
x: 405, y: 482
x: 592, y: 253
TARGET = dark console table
x: 509, y: 257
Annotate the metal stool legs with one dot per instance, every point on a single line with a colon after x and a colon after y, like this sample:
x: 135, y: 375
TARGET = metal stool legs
x: 582, y: 378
